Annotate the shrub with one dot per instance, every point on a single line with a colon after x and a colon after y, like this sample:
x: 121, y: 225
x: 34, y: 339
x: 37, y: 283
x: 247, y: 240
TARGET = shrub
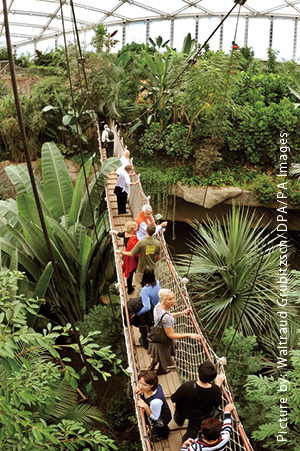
x: 264, y: 190
x: 293, y: 190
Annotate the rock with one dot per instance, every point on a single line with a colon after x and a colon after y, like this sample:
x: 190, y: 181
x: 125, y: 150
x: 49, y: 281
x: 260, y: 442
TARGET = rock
x: 206, y: 197
x: 216, y: 196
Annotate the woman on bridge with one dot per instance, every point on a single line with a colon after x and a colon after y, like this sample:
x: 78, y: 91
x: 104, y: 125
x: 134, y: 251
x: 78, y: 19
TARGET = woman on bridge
x: 153, y: 401
x: 162, y: 353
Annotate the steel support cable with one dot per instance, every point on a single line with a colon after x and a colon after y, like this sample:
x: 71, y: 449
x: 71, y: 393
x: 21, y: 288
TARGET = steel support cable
x: 150, y: 108
x: 229, y: 70
x: 246, y: 445
x: 38, y: 204
x: 85, y: 176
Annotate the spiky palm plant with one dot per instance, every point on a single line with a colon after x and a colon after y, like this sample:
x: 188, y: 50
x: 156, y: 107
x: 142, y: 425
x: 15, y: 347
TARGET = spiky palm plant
x: 233, y: 273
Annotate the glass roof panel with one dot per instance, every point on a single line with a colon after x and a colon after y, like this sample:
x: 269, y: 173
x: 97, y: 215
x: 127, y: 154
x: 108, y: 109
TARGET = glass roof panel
x: 32, y: 14
x: 285, y: 47
x: 259, y: 41
x: 229, y: 33
x: 181, y: 28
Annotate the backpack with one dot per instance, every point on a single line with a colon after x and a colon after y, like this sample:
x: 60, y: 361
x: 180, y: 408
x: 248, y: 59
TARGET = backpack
x: 110, y: 135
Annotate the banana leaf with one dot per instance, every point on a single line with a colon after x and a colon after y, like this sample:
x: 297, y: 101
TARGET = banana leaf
x: 43, y: 282
x: 57, y: 183
x: 24, y: 260
x: 78, y: 191
x: 19, y: 176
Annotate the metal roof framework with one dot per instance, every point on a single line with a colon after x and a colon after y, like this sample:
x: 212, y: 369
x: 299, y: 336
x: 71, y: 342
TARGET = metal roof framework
x: 33, y: 21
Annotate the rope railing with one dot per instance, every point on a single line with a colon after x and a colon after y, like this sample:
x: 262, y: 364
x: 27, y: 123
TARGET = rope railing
x: 132, y: 368
x: 189, y: 353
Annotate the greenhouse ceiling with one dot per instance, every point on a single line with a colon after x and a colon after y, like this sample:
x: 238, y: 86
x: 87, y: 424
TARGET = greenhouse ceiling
x: 38, y: 23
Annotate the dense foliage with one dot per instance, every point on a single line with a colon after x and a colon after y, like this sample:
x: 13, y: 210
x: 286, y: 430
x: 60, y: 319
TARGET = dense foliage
x: 39, y: 410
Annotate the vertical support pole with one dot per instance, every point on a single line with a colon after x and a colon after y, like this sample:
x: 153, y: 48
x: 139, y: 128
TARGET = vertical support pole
x: 295, y: 39
x: 55, y: 41
x: 147, y: 31
x: 196, y: 30
x: 271, y: 32
x: 172, y: 33
x: 123, y: 34
x: 221, y: 35
x: 246, y: 31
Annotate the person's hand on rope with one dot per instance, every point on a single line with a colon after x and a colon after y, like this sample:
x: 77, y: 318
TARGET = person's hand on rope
x: 229, y: 407
x: 188, y: 442
x: 220, y: 379
x: 164, y: 224
x: 142, y: 404
x: 115, y: 232
x: 195, y: 336
x: 184, y: 312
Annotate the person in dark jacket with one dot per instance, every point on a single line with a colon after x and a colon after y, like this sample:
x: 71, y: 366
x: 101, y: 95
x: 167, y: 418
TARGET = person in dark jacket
x: 214, y: 436
x: 195, y: 400
x: 153, y: 401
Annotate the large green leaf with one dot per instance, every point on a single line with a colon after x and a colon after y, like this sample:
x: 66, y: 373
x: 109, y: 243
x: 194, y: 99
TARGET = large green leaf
x: 19, y: 176
x: 96, y: 191
x: 28, y: 209
x: 109, y: 165
x: 84, y: 259
x: 78, y: 191
x: 43, y: 282
x: 20, y: 241
x: 66, y: 239
x: 24, y: 260
x: 57, y: 183
x: 35, y: 236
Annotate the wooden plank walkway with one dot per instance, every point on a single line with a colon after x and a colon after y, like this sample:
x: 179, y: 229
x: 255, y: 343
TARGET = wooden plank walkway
x: 170, y: 381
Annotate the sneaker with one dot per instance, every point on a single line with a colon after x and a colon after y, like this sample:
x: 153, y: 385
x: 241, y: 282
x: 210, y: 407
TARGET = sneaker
x: 162, y: 371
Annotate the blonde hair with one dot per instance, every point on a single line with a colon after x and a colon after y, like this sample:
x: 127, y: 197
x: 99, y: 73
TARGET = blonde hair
x: 130, y: 225
x: 163, y: 294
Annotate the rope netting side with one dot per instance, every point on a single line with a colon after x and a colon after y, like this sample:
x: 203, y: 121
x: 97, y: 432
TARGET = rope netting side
x: 190, y: 353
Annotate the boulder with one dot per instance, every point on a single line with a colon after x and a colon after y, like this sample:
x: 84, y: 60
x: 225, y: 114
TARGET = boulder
x: 206, y: 197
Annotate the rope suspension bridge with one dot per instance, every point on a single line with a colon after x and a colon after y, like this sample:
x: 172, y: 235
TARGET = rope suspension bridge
x: 189, y: 353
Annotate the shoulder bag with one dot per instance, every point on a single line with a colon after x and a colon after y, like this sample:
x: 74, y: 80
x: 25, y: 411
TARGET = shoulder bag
x: 157, y: 334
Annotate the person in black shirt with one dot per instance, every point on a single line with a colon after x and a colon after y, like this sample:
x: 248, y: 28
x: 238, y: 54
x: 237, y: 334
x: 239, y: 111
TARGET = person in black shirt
x: 195, y: 400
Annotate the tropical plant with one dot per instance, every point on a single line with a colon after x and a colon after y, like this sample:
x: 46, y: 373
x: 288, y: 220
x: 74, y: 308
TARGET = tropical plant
x: 273, y: 407
x: 82, y: 252
x: 233, y: 273
x: 117, y: 86
x: 71, y: 120
x: 38, y: 406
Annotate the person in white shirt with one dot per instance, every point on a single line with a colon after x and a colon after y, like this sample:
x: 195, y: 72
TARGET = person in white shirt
x: 122, y: 189
x: 125, y: 160
x: 107, y: 143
